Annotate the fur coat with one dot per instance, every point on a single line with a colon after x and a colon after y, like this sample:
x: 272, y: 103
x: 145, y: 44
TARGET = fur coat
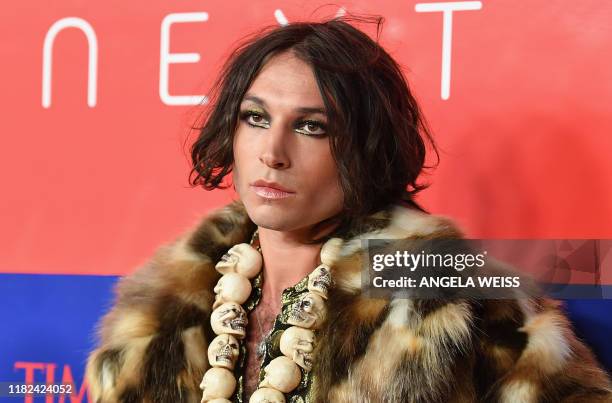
x: 153, y: 342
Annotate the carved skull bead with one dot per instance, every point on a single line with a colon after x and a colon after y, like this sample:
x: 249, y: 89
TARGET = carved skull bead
x: 298, y: 343
x: 267, y: 395
x: 229, y: 318
x: 309, y: 311
x: 319, y: 280
x: 282, y: 374
x: 232, y: 287
x: 217, y: 383
x: 223, y: 351
x: 242, y: 259
x: 330, y: 251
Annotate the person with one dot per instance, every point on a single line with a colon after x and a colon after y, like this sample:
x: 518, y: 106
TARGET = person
x: 325, y: 143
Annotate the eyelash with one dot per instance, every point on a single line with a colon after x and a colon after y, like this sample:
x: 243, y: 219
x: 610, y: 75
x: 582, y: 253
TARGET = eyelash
x: 244, y: 116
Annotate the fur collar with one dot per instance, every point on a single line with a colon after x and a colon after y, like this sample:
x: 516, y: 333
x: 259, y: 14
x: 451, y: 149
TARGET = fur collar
x: 230, y: 225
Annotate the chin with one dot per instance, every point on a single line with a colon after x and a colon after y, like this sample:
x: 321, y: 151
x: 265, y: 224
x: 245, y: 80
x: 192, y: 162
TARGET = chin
x: 276, y: 224
x: 277, y: 218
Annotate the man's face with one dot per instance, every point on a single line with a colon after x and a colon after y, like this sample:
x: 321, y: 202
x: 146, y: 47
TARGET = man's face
x: 284, y: 171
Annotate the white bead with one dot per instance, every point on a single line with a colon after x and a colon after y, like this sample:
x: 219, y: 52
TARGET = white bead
x: 282, y: 374
x: 267, y: 395
x: 217, y: 383
x: 242, y: 259
x: 319, y: 281
x: 298, y: 343
x: 309, y: 311
x: 330, y: 251
x: 232, y: 287
x: 229, y: 318
x: 223, y: 351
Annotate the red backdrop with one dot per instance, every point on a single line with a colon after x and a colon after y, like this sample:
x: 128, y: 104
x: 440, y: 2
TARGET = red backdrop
x: 94, y: 189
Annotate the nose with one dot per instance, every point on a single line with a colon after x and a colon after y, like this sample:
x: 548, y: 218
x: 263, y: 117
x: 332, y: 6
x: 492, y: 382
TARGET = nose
x: 274, y: 152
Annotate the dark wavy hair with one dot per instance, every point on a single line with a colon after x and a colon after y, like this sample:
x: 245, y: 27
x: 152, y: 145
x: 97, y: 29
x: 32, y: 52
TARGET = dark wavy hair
x: 377, y: 131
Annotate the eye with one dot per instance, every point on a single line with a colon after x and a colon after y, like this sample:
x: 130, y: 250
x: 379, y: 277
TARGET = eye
x: 311, y: 128
x: 255, y: 119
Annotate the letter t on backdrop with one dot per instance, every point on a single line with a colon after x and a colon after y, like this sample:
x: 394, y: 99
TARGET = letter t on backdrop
x: 447, y: 33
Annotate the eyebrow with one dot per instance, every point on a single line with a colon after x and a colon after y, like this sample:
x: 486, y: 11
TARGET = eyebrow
x: 301, y: 109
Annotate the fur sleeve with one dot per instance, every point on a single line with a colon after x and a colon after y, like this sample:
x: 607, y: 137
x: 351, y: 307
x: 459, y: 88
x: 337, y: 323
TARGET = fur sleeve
x: 153, y: 342
x: 530, y: 354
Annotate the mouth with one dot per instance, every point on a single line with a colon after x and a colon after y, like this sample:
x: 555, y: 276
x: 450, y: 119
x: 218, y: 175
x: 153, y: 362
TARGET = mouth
x: 322, y: 284
x: 229, y: 258
x: 225, y: 357
x: 308, y: 360
x: 271, y: 190
x: 238, y: 324
x: 270, y: 193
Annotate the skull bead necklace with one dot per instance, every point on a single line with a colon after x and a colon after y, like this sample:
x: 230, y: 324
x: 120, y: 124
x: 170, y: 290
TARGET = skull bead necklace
x: 238, y: 267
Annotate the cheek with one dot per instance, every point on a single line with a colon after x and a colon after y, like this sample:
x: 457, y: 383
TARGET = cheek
x: 324, y: 176
x: 240, y: 156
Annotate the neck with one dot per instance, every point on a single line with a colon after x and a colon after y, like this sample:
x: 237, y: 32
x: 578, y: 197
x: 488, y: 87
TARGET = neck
x: 287, y: 259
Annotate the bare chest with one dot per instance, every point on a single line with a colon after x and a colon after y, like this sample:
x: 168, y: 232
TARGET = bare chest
x: 261, y: 320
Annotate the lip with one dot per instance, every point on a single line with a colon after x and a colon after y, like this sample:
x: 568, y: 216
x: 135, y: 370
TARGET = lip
x: 270, y: 190
x: 271, y: 185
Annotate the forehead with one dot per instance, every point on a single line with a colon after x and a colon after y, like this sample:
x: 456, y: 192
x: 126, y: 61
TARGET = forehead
x: 286, y: 80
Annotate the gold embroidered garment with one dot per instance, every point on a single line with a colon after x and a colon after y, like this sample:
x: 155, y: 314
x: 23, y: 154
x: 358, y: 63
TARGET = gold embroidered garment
x: 290, y: 299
